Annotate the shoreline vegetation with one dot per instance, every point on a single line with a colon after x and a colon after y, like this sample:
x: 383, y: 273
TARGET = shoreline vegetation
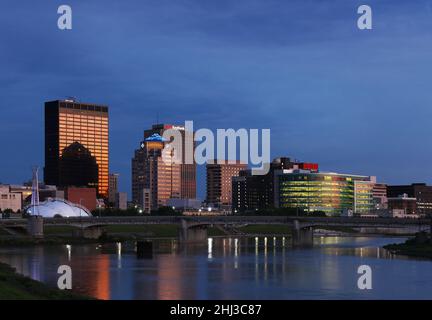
x: 420, y: 246
x: 14, y: 286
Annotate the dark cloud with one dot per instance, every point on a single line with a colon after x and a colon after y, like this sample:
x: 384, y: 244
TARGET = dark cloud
x: 355, y: 101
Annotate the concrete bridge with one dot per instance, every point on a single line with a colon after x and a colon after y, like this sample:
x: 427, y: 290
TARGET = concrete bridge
x: 194, y: 228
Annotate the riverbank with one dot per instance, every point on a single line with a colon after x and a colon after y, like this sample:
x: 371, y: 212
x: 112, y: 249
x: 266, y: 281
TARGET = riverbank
x: 420, y: 246
x: 14, y: 286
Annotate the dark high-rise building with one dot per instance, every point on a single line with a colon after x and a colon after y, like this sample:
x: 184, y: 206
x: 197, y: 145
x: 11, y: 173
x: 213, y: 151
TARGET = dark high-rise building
x: 420, y: 191
x: 80, y: 129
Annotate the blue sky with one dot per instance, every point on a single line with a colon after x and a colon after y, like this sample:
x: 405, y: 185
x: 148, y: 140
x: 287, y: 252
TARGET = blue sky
x: 353, y: 101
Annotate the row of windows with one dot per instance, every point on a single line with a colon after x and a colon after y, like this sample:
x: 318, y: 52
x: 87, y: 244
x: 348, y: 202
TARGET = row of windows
x: 83, y: 117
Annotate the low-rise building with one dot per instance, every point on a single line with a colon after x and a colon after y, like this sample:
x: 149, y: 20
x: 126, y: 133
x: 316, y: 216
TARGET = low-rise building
x: 402, y: 205
x: 10, y: 200
x: 184, y: 204
x: 420, y: 191
x: 121, y: 200
x: 328, y: 192
x: 85, y: 197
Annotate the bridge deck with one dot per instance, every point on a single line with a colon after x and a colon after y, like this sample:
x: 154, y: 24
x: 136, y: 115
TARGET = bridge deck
x: 223, y: 220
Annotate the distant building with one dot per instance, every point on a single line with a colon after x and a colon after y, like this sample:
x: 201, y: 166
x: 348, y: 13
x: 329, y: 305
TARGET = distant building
x: 85, y: 197
x: 293, y: 184
x: 150, y: 189
x: 379, y: 194
x: 121, y: 200
x: 402, y: 205
x: 45, y: 192
x: 155, y: 175
x: 219, y: 181
x: 255, y: 192
x: 331, y: 193
x: 184, y: 204
x: 113, y: 180
x: 420, y: 191
x: 76, y: 145
x: 145, y: 200
x: 10, y: 200
x: 187, y: 171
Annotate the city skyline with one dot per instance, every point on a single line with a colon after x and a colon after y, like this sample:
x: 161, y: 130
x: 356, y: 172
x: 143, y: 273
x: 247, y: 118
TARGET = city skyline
x: 344, y: 96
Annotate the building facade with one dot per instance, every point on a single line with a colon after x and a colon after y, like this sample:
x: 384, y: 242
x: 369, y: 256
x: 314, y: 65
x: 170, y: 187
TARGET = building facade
x: 121, y: 200
x: 420, y: 191
x: 76, y: 128
x: 155, y: 175
x: 10, y: 200
x: 219, y: 181
x: 187, y: 170
x: 113, y: 180
x: 331, y: 193
x: 380, y: 196
x: 402, y: 205
x: 85, y: 197
x: 256, y: 192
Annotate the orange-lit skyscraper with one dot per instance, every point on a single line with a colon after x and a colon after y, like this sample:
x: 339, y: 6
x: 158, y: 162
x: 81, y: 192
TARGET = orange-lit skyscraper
x: 85, y: 127
x: 156, y: 177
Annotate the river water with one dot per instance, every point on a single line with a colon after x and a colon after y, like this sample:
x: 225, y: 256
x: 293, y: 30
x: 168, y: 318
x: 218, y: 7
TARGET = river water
x: 229, y: 268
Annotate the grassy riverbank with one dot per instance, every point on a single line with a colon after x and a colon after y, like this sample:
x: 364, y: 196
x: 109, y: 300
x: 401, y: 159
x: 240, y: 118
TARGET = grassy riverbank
x: 419, y: 246
x: 14, y: 286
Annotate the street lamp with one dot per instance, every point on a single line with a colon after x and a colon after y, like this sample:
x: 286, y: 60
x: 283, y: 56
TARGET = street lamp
x: 80, y: 212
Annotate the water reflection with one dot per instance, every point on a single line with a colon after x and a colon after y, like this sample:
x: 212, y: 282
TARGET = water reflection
x: 228, y: 268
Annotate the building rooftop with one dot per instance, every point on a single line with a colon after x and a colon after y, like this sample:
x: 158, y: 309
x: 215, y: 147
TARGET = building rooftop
x: 156, y: 137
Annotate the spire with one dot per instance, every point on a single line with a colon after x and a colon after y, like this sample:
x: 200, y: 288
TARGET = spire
x: 35, y: 192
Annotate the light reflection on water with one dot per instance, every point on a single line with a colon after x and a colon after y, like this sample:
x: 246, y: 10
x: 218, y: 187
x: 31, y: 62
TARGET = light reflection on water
x: 231, y: 268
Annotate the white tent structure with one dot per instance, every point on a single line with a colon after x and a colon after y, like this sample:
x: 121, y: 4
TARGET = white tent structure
x: 53, y: 208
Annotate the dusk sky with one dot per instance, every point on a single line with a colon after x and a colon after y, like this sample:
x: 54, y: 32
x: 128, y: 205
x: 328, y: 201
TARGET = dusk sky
x: 355, y: 101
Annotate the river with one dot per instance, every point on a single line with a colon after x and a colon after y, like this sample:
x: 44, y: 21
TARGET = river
x: 229, y: 268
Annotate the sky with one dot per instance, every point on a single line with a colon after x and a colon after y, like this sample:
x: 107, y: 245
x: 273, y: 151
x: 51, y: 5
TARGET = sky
x: 355, y: 101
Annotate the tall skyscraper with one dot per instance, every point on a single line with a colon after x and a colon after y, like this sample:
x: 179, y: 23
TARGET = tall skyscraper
x: 187, y: 171
x: 155, y: 176
x: 76, y: 145
x: 219, y: 181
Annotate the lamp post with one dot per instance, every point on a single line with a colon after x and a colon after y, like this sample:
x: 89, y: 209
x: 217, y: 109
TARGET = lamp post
x: 80, y: 212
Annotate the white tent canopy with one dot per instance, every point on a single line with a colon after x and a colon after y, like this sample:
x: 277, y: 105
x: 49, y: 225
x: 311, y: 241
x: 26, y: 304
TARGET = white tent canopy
x: 58, y: 208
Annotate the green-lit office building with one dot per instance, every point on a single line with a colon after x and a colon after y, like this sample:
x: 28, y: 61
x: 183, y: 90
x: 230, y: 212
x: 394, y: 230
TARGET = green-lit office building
x: 331, y: 193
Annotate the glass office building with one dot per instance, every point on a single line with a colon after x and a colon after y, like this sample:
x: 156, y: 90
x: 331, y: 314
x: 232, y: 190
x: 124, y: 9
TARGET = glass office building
x: 331, y: 193
x: 67, y: 123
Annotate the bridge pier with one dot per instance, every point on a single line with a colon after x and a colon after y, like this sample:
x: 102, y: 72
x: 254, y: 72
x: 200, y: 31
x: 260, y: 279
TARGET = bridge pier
x: 302, y: 237
x: 144, y: 249
x: 35, y: 226
x: 189, y: 233
x: 93, y: 232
